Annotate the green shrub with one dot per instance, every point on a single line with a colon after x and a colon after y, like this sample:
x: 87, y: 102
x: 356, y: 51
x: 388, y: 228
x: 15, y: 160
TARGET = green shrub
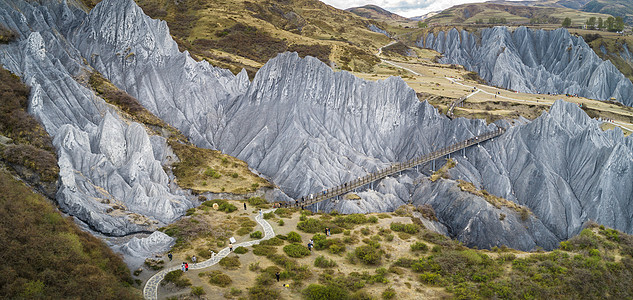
x: 368, y: 254
x: 388, y: 237
x: 269, y: 215
x: 404, y: 262
x: 244, y: 230
x: 294, y: 237
x: 258, y: 202
x: 324, y: 292
x: 389, y: 293
x: 355, y: 219
x: 253, y: 267
x: 283, y: 212
x: 430, y: 278
x: 190, y: 211
x: 373, y: 219
x: 336, y: 248
x: 257, y: 235
x: 230, y: 262
x: 197, y: 291
x: 296, y: 250
x: 397, y: 226
x: 176, y: 278
x: 281, y: 222
x: 223, y: 205
x: 209, y: 172
x: 218, y: 278
x: 264, y: 250
x: 311, y: 225
x: 419, y: 246
x: 272, y: 242
x: 240, y: 250
x: 227, y: 207
x: 235, y: 291
x: 323, y: 262
x: 263, y: 292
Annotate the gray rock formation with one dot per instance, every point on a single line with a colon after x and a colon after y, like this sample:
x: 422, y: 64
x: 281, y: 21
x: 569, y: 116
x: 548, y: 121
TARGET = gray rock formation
x: 475, y: 222
x: 136, y: 250
x: 533, y: 61
x: 563, y: 167
x: 305, y: 127
x: 138, y: 55
x: 110, y: 177
x: 377, y: 29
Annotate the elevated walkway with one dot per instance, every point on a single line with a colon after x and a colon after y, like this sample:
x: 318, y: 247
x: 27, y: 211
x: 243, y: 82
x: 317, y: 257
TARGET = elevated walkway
x: 395, y: 168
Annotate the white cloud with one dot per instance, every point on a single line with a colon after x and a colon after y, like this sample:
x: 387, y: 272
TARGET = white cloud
x: 406, y: 8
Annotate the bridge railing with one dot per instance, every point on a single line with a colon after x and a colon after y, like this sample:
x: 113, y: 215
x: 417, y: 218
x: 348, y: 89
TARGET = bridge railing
x: 395, y: 168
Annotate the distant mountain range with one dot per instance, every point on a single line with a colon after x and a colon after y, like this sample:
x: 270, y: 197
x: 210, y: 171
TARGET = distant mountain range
x: 537, y: 9
x: 622, y: 8
x: 376, y: 13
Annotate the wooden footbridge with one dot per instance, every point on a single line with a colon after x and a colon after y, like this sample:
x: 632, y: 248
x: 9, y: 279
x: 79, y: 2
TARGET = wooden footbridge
x: 393, y: 169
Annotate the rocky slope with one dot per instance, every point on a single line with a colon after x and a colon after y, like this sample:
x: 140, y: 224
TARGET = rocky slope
x: 533, y: 61
x: 111, y: 174
x: 304, y: 126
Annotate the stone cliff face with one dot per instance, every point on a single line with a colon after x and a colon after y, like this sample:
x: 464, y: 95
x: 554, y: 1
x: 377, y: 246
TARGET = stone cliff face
x: 304, y: 126
x: 110, y: 169
x: 562, y: 166
x: 137, y: 54
x: 533, y: 61
x: 308, y: 127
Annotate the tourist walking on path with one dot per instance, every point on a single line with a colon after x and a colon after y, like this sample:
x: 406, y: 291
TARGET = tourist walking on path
x: 186, y: 267
x: 244, y: 205
x: 230, y: 247
x: 170, y: 256
x: 260, y: 212
x: 193, y: 259
x: 182, y: 267
x: 277, y: 275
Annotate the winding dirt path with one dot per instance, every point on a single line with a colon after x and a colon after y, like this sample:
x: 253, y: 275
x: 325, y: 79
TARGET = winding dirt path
x: 150, y: 291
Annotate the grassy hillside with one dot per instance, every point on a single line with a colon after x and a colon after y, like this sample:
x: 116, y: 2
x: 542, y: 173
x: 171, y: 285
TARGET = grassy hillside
x: 24, y: 144
x: 376, y: 13
x: 239, y: 34
x: 622, y: 8
x: 391, y: 256
x: 46, y: 256
x: 609, y: 46
x: 490, y: 13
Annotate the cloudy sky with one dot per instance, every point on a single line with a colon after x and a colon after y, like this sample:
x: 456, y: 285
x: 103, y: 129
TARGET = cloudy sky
x: 406, y: 8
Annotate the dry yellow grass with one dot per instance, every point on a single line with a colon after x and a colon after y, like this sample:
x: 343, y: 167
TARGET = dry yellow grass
x: 496, y: 201
x: 205, y: 170
x: 443, y: 171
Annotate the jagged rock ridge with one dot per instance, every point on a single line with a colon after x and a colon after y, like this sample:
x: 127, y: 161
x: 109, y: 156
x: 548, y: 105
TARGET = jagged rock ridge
x: 111, y: 176
x: 533, y: 61
x: 307, y: 128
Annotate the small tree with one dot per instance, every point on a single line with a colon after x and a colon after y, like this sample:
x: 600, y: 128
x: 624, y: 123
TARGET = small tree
x: 422, y: 24
x: 591, y: 22
x: 619, y: 24
x: 600, y: 23
x: 567, y: 22
x: 610, y: 23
